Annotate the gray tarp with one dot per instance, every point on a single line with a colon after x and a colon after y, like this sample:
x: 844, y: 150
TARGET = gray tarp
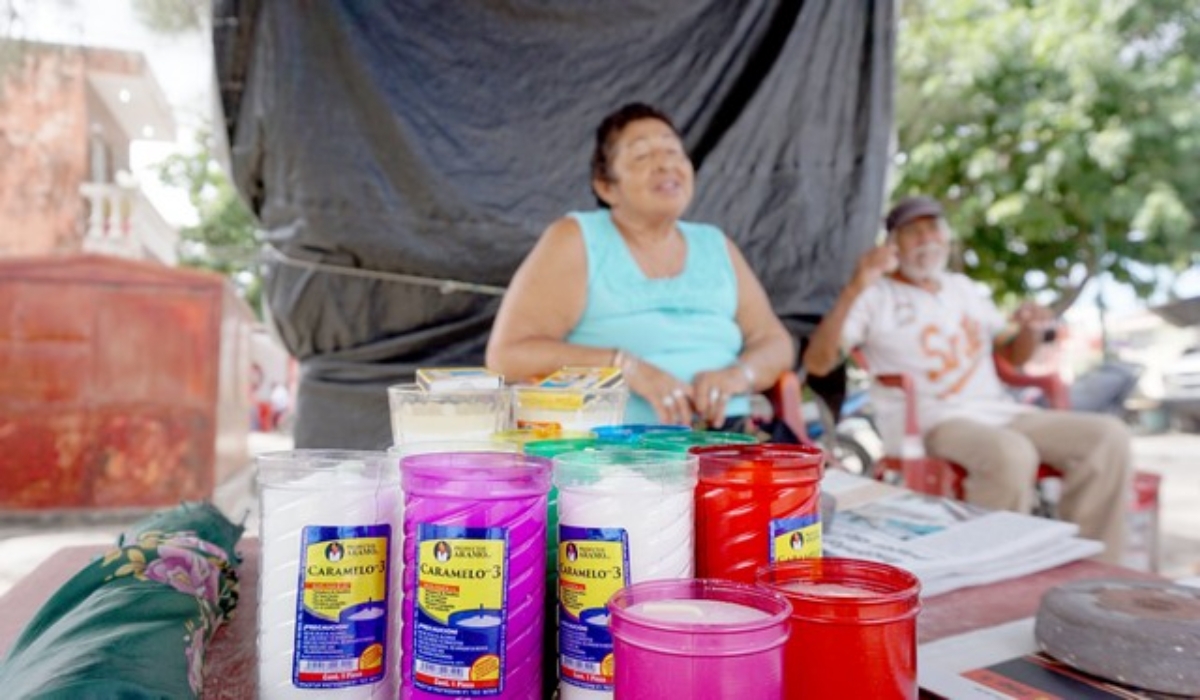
x: 438, y: 139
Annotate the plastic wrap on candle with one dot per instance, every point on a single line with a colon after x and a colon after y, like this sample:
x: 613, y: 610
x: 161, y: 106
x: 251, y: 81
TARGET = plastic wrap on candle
x: 625, y: 516
x: 329, y: 519
x: 474, y: 556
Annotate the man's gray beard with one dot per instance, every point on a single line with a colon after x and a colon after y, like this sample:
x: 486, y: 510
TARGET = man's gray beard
x: 932, y: 272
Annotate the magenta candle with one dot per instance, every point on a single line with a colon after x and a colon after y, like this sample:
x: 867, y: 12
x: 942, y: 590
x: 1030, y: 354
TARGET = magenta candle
x: 474, y: 561
x: 698, y: 638
x: 854, y: 628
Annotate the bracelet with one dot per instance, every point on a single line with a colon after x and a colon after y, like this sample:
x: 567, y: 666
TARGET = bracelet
x: 747, y: 372
x: 624, y: 361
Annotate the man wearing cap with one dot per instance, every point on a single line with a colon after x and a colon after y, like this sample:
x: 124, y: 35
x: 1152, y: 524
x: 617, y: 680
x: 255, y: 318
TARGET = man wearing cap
x: 908, y: 314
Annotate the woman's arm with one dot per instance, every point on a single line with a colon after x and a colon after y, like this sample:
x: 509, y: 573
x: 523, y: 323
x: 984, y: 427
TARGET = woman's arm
x: 544, y: 301
x: 767, y: 349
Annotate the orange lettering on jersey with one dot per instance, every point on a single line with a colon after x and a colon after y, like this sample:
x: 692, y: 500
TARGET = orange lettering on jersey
x: 935, y: 345
x: 972, y: 334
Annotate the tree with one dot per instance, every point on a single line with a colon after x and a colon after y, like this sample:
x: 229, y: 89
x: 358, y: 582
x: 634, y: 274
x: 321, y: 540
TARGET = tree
x: 225, y: 240
x: 1063, y: 135
x: 171, y: 16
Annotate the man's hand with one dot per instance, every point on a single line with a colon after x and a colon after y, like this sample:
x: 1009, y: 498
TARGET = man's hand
x: 874, y: 264
x: 1033, y: 316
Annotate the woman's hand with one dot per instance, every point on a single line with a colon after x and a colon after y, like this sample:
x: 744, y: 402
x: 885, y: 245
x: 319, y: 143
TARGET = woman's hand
x: 670, y: 398
x: 712, y: 391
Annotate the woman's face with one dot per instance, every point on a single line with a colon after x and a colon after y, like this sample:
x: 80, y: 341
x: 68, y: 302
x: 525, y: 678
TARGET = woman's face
x: 651, y: 173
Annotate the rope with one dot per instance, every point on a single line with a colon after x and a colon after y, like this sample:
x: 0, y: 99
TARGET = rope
x: 444, y: 286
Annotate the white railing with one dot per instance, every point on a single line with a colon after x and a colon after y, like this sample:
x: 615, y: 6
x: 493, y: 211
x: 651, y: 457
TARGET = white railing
x: 122, y: 222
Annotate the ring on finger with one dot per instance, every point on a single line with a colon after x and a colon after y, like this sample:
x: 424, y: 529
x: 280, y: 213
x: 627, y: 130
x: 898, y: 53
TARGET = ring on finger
x: 714, y: 395
x: 668, y: 400
x: 677, y: 393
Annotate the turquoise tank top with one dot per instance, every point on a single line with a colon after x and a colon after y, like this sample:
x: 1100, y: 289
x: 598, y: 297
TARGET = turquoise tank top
x: 683, y: 325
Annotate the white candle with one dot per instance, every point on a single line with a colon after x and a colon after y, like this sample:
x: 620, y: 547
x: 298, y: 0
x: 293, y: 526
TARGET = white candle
x: 570, y: 409
x: 697, y: 611
x: 473, y: 415
x: 823, y: 590
x: 654, y: 516
x: 309, y: 492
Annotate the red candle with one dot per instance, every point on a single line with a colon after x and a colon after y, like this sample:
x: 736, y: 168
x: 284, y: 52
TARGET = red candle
x: 755, y: 505
x: 854, y: 628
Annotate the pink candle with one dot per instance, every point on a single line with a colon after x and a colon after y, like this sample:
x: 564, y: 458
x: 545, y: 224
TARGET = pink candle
x: 696, y: 638
x: 474, y: 555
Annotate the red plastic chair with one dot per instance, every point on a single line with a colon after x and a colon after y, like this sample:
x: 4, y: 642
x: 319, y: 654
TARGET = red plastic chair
x: 939, y: 477
x: 785, y: 398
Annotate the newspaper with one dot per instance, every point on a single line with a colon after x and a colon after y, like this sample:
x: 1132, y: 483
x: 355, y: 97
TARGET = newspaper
x: 947, y: 544
x: 1003, y: 663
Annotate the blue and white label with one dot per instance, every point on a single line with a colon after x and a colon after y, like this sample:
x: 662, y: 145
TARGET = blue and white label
x: 593, y: 564
x: 461, y: 611
x: 341, y: 606
x: 796, y: 538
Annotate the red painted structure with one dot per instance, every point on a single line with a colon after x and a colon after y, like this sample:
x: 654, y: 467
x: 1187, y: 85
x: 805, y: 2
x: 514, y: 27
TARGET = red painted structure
x: 118, y: 382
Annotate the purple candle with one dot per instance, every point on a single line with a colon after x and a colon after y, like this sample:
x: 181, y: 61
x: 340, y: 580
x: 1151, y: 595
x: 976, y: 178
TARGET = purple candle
x: 474, y: 564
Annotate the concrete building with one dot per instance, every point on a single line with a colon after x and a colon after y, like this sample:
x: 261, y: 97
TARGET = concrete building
x: 67, y: 117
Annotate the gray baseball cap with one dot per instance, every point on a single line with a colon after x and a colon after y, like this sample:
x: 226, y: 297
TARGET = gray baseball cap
x: 910, y: 209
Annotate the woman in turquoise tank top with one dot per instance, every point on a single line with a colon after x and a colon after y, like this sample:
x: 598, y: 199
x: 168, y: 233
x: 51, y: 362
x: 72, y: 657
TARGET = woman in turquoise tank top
x: 672, y: 303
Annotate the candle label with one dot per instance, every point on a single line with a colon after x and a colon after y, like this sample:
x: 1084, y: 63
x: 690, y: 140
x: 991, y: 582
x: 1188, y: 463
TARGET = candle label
x: 462, y: 581
x: 796, y: 538
x: 341, y: 616
x: 593, y: 563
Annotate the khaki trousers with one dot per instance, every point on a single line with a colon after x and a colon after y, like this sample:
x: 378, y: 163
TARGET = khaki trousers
x: 1091, y: 450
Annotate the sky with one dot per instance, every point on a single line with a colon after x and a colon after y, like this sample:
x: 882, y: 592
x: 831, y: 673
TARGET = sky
x: 182, y: 65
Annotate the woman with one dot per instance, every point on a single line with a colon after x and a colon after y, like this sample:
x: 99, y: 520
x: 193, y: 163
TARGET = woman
x: 672, y: 303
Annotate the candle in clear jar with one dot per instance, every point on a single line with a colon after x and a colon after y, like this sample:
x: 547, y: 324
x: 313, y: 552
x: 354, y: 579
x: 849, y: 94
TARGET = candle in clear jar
x: 568, y: 409
x: 328, y: 591
x: 624, y: 516
x: 418, y: 415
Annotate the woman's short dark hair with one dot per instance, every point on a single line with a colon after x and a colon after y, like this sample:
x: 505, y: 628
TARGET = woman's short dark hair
x: 608, y: 131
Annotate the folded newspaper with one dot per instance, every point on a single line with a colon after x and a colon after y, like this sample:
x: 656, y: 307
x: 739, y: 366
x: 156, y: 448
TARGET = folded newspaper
x: 947, y: 544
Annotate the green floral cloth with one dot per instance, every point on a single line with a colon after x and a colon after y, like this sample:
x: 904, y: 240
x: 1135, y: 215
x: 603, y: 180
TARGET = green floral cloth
x: 135, y: 623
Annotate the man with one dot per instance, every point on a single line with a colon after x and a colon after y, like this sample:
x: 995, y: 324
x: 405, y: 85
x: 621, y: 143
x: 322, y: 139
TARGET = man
x: 908, y: 314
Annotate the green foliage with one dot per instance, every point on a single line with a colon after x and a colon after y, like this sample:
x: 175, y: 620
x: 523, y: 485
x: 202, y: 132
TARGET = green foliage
x: 225, y: 239
x: 171, y: 16
x: 1063, y: 135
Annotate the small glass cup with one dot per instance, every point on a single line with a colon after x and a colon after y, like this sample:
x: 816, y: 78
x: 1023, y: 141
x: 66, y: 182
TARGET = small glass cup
x: 548, y: 408
x: 422, y: 416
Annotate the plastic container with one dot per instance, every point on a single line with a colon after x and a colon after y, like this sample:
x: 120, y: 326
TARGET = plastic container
x: 550, y: 449
x: 698, y: 638
x: 330, y: 526
x: 755, y: 505
x: 625, y: 516
x: 474, y: 527
x: 854, y: 628
x: 683, y: 441
x: 419, y: 416
x: 631, y: 433
x: 549, y: 409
